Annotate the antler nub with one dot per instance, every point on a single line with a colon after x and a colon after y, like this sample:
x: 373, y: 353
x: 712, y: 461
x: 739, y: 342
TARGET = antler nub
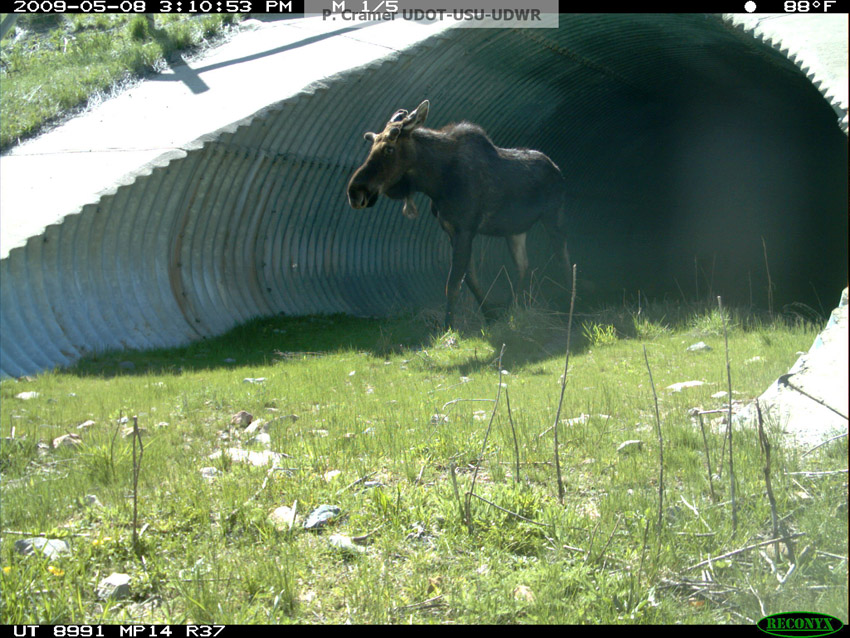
x: 399, y: 115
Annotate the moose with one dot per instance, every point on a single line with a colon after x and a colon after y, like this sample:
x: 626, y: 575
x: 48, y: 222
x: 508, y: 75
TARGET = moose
x: 474, y: 186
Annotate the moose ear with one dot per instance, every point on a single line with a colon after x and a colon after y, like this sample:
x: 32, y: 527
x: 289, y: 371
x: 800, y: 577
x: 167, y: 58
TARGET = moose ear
x: 399, y: 115
x: 369, y: 136
x: 417, y: 118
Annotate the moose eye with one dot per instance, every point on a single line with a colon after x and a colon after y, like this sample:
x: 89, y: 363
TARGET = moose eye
x: 389, y: 150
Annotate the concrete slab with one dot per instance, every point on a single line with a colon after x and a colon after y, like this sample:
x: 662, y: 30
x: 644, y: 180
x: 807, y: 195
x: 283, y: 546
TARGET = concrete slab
x: 54, y: 175
x: 810, y: 402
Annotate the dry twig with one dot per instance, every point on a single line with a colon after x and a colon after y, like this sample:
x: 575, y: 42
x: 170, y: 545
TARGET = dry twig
x: 729, y: 424
x: 564, y: 388
x: 660, y: 443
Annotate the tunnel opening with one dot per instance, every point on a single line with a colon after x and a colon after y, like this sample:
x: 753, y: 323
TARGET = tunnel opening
x: 698, y: 157
x: 699, y: 162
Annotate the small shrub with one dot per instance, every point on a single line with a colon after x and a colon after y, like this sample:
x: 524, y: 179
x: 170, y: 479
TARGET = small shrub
x: 598, y: 334
x: 138, y: 29
x: 646, y: 329
x: 710, y: 324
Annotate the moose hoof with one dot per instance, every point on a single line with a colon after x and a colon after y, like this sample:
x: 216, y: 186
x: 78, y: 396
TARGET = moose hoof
x: 409, y: 210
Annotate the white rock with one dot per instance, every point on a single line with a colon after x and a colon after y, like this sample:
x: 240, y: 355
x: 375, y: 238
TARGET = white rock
x: 257, y: 426
x: 627, y: 447
x: 283, y: 518
x: 263, y: 438
x: 67, y: 440
x: 678, y: 387
x: 114, y: 587
x: 258, y: 459
x: 209, y: 473
x: 50, y: 547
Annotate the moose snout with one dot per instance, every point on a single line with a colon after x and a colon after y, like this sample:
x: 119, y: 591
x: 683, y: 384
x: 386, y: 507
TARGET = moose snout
x: 359, y: 196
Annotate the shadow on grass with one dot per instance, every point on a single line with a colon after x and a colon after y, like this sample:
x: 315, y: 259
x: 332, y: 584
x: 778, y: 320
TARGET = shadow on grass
x: 530, y: 335
x: 265, y: 341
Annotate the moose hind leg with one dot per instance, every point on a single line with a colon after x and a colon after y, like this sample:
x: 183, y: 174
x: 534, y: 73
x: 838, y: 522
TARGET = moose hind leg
x: 558, y: 241
x: 516, y: 243
x: 474, y: 285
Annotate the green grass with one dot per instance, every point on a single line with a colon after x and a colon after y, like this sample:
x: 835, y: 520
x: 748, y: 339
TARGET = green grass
x: 351, y: 398
x: 52, y: 64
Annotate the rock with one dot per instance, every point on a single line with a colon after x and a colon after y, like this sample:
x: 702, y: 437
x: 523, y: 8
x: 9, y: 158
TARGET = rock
x: 67, y: 440
x: 419, y: 533
x: 86, y: 425
x: 321, y: 516
x: 283, y: 518
x: 700, y: 346
x: 114, y: 587
x: 241, y: 418
x: 263, y: 438
x: 26, y: 396
x: 92, y: 501
x: 523, y: 593
x: 822, y: 372
x: 345, y: 544
x: 257, y: 426
x: 209, y: 474
x: 628, y: 447
x: 50, y: 547
x: 254, y: 380
x: 257, y: 459
x: 678, y: 387
x: 331, y: 475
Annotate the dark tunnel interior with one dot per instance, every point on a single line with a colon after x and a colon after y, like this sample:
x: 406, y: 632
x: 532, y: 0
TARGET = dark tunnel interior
x: 707, y: 168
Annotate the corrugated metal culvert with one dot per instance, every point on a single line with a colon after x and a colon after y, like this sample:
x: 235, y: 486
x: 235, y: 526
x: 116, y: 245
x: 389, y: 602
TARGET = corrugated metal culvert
x: 686, y: 142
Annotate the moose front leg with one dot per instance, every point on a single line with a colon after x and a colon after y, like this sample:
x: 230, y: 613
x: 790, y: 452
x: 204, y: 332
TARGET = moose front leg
x: 461, y: 254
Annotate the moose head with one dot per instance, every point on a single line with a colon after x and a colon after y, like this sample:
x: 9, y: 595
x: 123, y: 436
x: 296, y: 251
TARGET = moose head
x: 390, y: 158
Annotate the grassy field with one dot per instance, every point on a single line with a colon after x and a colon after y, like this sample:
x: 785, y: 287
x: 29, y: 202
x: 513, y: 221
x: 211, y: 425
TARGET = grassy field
x: 376, y: 417
x: 53, y: 64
